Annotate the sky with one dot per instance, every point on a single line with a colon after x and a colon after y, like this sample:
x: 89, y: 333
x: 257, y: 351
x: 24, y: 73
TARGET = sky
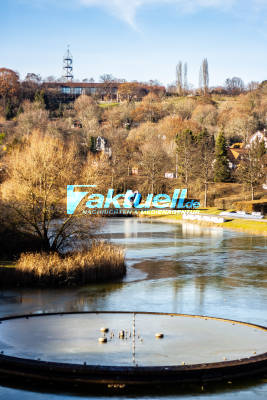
x: 136, y: 39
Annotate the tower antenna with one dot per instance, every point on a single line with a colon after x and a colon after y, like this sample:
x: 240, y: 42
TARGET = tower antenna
x: 68, y: 66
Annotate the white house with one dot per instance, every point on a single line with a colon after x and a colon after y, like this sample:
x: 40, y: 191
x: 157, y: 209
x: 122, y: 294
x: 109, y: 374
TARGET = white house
x: 103, y: 145
x: 260, y: 135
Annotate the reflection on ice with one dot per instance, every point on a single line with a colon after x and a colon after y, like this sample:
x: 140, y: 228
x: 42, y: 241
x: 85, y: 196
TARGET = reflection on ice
x: 198, y: 230
x: 130, y: 226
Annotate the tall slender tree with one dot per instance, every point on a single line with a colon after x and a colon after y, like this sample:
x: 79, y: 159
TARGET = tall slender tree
x: 179, y: 78
x: 185, y: 78
x: 221, y: 166
x: 204, y: 76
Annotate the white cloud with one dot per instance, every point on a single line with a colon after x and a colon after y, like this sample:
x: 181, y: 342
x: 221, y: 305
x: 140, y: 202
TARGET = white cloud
x: 123, y: 9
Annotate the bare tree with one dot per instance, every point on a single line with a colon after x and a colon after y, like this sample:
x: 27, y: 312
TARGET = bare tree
x: 96, y: 171
x: 152, y: 162
x: 185, y: 78
x: 200, y: 79
x: 33, y: 78
x: 88, y: 114
x: 253, y: 86
x: 34, y: 116
x: 108, y: 82
x: 179, y: 78
x: 51, y: 78
x: 35, y: 191
x: 234, y: 85
x: 204, y: 76
x: 251, y: 169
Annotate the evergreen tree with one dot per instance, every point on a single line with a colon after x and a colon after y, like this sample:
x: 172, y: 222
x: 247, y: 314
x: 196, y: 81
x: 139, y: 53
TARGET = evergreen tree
x: 39, y: 98
x: 60, y: 110
x: 9, y: 110
x: 2, y: 137
x: 93, y: 144
x: 20, y: 110
x: 185, y: 151
x: 203, y: 161
x: 221, y: 166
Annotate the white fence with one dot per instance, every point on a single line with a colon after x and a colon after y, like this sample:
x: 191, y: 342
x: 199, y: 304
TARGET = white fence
x: 206, y: 218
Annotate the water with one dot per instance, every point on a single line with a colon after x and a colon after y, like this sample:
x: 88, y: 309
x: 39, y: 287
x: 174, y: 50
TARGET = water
x: 182, y: 268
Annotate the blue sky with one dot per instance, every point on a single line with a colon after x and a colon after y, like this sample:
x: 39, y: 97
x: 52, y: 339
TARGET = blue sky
x: 136, y: 39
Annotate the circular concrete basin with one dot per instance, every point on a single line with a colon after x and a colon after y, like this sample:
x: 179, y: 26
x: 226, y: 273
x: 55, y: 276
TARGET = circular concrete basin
x: 192, y: 348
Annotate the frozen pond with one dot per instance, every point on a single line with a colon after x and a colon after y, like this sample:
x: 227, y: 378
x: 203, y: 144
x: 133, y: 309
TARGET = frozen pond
x: 179, y: 268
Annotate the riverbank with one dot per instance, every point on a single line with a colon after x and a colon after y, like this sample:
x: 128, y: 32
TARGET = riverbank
x: 102, y: 262
x: 249, y: 226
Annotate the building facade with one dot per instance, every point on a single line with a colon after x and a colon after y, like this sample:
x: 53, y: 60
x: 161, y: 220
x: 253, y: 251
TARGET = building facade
x: 101, y: 90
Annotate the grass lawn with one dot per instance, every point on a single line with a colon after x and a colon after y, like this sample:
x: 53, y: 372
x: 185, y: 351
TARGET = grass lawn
x: 211, y: 210
x: 254, y: 227
x: 149, y: 214
x: 7, y: 264
x: 107, y: 105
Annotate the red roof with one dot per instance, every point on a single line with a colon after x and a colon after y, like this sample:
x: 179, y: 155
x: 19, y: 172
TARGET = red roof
x: 88, y: 84
x: 100, y: 85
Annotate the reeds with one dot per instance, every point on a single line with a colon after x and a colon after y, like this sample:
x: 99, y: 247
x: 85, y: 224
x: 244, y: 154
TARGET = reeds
x: 100, y: 263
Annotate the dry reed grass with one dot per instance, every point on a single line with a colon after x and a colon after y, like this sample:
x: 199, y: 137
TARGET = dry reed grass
x: 102, y: 262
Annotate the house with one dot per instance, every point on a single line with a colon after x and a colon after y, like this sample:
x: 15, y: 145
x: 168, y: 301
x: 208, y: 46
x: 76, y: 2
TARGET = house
x: 169, y: 175
x: 102, y: 145
x: 260, y: 136
x: 235, y: 153
x: 134, y: 170
x: 76, y: 124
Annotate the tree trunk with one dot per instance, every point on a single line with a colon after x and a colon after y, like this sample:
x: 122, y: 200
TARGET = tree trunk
x: 205, y: 195
x: 252, y: 192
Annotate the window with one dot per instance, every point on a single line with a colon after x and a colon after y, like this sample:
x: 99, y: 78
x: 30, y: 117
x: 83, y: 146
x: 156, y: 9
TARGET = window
x: 65, y: 89
x: 77, y: 90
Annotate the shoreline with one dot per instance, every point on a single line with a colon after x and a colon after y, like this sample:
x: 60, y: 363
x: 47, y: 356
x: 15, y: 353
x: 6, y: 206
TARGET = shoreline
x: 238, y: 224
